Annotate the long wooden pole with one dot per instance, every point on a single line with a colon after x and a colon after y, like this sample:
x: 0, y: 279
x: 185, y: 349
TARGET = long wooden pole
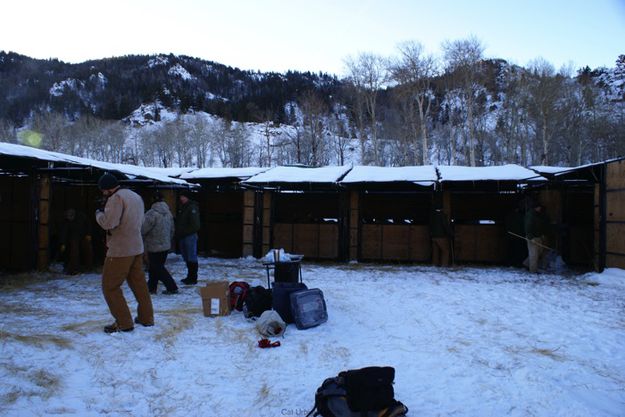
x: 534, y: 243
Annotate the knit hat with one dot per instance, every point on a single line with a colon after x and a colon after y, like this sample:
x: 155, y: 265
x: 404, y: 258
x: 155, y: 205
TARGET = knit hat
x: 186, y: 193
x: 107, y: 182
x: 157, y: 196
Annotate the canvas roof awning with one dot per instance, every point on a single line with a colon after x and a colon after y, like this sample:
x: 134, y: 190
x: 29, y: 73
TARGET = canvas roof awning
x: 174, y: 172
x: 587, y: 172
x: 413, y: 174
x: 425, y: 175
x: 222, y: 173
x: 509, y: 172
x: 293, y: 177
x: 129, y: 171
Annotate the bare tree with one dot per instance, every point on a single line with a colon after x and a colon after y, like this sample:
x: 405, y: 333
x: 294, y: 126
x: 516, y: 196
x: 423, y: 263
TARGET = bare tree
x: 52, y: 126
x: 7, y: 131
x: 413, y: 72
x: 234, y: 148
x: 314, y: 112
x: 367, y: 74
x: 513, y: 125
x: 545, y: 88
x: 199, y: 136
x: 270, y: 130
x: 463, y: 58
x: 339, y: 131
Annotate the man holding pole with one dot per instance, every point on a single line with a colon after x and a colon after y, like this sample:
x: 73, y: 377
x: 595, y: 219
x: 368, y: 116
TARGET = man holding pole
x: 536, y: 226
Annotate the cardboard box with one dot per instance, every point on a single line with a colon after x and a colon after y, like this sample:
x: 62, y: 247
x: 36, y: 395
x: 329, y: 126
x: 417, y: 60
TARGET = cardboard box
x: 215, y: 299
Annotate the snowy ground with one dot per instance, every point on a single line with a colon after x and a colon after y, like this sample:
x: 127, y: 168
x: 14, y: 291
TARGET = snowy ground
x: 464, y: 341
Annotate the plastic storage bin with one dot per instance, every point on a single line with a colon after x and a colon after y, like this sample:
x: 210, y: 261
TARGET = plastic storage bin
x: 308, y: 308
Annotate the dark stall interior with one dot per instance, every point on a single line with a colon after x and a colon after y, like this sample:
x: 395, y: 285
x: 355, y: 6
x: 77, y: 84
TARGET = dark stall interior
x: 309, y: 223
x: 221, y: 215
x: 394, y: 226
x: 18, y: 208
x: 479, y: 225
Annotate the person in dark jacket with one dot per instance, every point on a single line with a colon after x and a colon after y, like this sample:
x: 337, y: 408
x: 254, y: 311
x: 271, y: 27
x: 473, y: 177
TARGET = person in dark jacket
x: 187, y: 227
x: 75, y: 242
x: 440, y: 235
x: 536, y: 227
x: 158, y: 231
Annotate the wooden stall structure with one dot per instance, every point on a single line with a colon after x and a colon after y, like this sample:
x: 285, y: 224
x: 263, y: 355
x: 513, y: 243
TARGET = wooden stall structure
x: 614, y: 213
x: 477, y: 201
x: 389, y: 209
x: 303, y: 210
x: 37, y: 186
x: 571, y: 197
x: 229, y: 228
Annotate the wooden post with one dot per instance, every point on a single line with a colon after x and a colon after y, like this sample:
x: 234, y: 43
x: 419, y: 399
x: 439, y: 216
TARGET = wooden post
x: 43, y: 218
x: 354, y: 221
x: 266, y: 221
x: 248, y: 223
x: 598, y: 235
x: 169, y: 196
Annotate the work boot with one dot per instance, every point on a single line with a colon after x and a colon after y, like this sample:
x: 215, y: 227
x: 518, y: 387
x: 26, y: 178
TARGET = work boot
x: 143, y: 324
x: 114, y: 328
x: 191, y: 278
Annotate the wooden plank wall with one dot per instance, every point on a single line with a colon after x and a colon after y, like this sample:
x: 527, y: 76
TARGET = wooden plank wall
x: 615, y: 214
x: 313, y: 240
x: 395, y: 242
x: 480, y: 243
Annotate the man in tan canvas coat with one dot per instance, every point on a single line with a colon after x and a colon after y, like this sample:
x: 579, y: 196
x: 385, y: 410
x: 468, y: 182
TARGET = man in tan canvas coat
x: 122, y: 218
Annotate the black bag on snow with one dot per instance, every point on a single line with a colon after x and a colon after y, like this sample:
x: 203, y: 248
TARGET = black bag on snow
x: 332, y: 398
x: 369, y: 388
x: 258, y: 299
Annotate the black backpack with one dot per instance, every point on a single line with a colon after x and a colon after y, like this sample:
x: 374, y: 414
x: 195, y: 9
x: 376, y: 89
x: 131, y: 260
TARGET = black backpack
x: 366, y: 392
x: 258, y: 299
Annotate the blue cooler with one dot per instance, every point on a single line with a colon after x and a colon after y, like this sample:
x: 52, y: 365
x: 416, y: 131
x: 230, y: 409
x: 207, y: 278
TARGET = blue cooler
x: 281, y: 301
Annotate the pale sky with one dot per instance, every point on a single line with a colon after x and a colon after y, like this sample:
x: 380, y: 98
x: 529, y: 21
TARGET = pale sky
x: 313, y: 35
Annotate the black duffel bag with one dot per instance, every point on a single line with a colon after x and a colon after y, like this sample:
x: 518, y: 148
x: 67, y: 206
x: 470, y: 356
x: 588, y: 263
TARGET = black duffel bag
x: 368, y: 395
x: 369, y: 388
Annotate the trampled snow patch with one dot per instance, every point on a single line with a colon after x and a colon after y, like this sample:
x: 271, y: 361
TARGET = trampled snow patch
x: 465, y: 341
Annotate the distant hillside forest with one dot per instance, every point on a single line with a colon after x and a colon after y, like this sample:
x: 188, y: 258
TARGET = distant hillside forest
x: 409, y: 109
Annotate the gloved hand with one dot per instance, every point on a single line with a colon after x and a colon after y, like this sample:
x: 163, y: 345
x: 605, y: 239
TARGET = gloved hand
x: 62, y: 248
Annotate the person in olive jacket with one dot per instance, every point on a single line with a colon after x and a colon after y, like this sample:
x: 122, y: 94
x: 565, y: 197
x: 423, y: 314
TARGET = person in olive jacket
x: 440, y: 235
x: 536, y: 227
x: 158, y: 232
x: 187, y: 227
